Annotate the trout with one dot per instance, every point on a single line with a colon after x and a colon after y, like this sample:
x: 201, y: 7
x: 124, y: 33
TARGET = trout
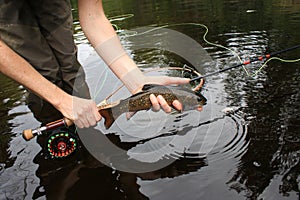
x: 141, y: 101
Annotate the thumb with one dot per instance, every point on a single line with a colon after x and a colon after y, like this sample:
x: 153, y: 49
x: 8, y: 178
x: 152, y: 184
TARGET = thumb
x: 166, y: 80
x: 177, y: 80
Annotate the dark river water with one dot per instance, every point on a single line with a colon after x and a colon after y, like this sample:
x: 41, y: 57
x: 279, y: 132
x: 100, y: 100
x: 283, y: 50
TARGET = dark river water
x: 245, y: 144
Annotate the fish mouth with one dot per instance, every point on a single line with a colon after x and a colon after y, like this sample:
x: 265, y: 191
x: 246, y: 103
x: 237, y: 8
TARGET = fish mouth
x: 195, y: 107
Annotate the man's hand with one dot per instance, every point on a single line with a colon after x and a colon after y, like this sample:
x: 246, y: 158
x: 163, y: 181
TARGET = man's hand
x: 159, y: 102
x: 83, y: 112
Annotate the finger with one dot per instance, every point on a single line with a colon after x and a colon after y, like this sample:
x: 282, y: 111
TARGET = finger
x: 178, y: 80
x: 90, y: 115
x: 93, y: 116
x: 166, y: 80
x: 84, y: 118
x: 78, y: 123
x: 84, y: 121
x: 97, y: 115
x: 95, y: 112
x: 91, y: 120
x: 199, y: 108
x: 87, y: 121
x: 155, y: 103
x: 129, y: 115
x: 177, y: 105
x: 164, y: 105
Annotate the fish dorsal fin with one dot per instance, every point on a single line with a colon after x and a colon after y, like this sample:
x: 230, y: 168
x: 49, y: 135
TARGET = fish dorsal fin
x: 149, y: 86
x: 145, y: 88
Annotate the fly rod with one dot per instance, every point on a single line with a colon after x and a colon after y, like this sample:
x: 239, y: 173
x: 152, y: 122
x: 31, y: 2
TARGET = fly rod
x: 65, y: 122
x: 260, y: 58
x: 31, y: 133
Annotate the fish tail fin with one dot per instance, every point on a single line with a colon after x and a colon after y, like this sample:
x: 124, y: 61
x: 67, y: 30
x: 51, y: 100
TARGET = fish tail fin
x: 108, y: 117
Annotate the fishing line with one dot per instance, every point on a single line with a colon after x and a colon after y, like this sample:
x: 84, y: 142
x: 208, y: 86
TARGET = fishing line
x: 58, y: 143
x: 212, y: 44
x: 128, y: 34
x: 273, y: 58
x: 120, y: 17
x: 203, y: 37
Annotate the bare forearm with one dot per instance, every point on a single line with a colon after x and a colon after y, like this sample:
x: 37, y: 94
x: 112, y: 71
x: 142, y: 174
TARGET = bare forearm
x: 93, y: 21
x: 99, y: 30
x: 15, y: 67
x: 102, y: 36
x: 82, y: 111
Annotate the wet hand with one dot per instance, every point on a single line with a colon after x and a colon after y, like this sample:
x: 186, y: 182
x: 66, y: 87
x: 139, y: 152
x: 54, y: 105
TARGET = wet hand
x: 83, y: 112
x: 159, y: 102
x: 166, y: 80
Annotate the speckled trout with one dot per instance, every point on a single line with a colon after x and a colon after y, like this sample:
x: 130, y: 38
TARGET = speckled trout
x: 141, y: 101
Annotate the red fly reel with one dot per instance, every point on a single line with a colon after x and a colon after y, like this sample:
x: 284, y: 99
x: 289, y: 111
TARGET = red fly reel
x: 62, y: 143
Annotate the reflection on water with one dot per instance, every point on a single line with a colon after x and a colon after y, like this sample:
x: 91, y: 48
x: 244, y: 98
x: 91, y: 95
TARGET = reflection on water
x: 252, y: 152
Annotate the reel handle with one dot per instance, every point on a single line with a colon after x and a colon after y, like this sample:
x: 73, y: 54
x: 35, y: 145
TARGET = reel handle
x: 31, y: 133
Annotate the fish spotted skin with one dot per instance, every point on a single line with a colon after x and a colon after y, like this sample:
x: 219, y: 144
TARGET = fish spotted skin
x: 141, y: 101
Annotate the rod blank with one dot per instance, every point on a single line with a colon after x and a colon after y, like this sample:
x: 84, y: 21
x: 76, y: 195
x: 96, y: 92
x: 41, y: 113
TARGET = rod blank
x: 267, y: 56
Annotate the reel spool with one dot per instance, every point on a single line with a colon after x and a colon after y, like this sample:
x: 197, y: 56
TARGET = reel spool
x: 61, y: 143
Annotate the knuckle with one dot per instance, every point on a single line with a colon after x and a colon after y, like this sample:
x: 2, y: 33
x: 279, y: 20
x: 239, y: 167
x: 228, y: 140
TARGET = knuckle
x: 168, y: 109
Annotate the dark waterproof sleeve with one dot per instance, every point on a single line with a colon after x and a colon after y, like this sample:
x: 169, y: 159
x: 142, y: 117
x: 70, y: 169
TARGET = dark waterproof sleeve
x: 41, y: 31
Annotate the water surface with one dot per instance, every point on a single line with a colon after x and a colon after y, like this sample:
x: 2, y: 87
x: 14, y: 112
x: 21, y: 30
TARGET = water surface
x: 250, y: 153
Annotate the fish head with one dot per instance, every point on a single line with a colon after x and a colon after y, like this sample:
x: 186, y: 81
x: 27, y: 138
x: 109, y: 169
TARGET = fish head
x: 201, y: 100
x: 194, y: 101
x: 189, y: 99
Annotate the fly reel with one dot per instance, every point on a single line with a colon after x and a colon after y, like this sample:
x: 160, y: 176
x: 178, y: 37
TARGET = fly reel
x: 62, y: 142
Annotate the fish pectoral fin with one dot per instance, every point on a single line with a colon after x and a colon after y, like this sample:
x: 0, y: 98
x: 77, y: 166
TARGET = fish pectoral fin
x: 149, y: 86
x: 129, y: 115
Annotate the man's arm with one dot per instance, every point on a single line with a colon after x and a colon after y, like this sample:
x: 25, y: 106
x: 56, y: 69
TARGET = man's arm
x: 102, y: 36
x: 83, y: 112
